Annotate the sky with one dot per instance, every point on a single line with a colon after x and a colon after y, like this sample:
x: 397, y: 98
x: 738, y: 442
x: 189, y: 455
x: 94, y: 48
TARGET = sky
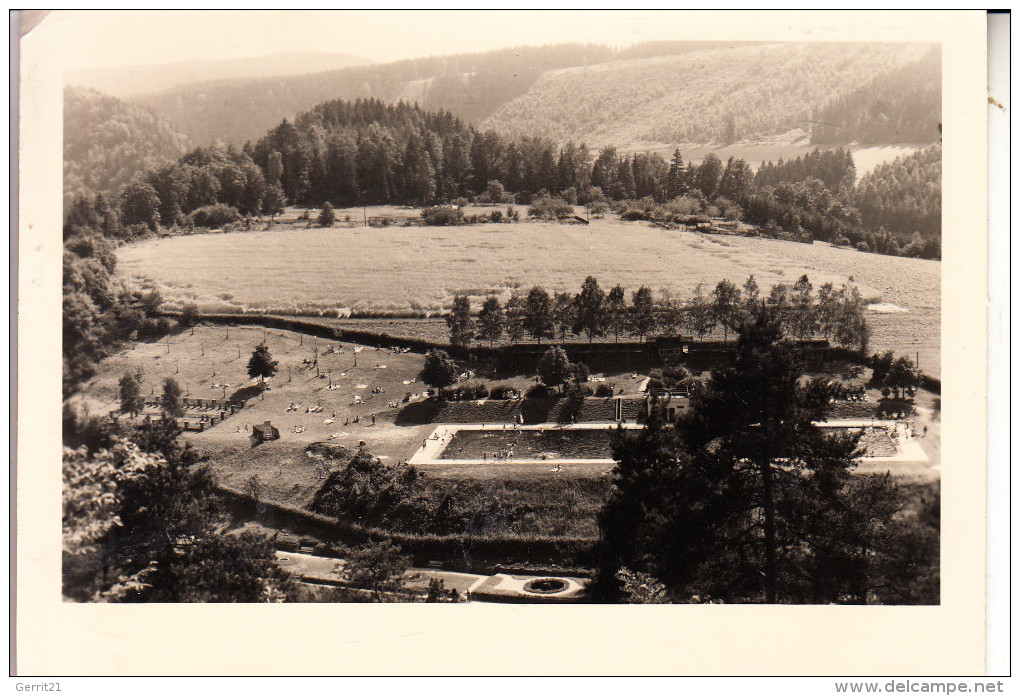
x: 124, y: 38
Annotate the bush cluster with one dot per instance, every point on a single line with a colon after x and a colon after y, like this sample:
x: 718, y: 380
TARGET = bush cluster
x: 214, y: 216
x: 503, y: 391
x: 442, y: 215
x: 468, y: 392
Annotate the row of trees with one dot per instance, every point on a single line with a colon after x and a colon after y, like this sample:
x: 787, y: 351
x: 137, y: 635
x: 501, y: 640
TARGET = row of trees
x: 838, y: 315
x: 746, y: 500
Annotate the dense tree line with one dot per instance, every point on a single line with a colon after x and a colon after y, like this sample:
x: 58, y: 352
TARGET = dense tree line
x: 803, y: 313
x: 904, y: 196
x: 746, y: 500
x: 211, y: 184
x: 834, y: 168
x: 346, y: 153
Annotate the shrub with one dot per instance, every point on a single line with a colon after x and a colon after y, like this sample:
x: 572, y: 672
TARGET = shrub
x: 326, y: 217
x: 603, y: 390
x: 441, y: 215
x: 189, y: 315
x: 155, y: 328
x: 496, y: 193
x: 537, y: 391
x: 464, y: 393
x: 547, y: 207
x: 580, y: 371
x: 862, y: 246
x: 496, y: 216
x: 502, y: 391
x: 212, y: 216
x: 682, y: 206
x: 475, y: 391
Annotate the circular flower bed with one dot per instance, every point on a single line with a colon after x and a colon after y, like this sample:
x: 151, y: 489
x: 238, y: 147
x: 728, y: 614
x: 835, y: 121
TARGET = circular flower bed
x: 545, y: 586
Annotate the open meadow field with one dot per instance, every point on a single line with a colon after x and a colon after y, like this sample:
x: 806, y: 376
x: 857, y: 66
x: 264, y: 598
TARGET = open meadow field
x: 398, y: 270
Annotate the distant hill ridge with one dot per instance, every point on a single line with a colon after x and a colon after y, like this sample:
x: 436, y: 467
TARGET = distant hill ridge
x: 667, y: 92
x: 126, y: 82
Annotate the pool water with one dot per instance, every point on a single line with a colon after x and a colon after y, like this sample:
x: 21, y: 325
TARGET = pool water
x: 530, y: 444
x: 590, y: 444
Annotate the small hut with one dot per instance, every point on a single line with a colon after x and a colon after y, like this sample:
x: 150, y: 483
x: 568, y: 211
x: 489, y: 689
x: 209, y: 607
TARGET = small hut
x: 261, y: 433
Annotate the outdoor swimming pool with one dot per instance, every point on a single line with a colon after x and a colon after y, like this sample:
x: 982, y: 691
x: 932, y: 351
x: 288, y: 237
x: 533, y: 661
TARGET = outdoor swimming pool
x: 530, y: 444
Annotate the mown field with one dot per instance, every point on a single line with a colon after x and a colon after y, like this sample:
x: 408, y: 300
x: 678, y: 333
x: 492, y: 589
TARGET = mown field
x: 400, y: 270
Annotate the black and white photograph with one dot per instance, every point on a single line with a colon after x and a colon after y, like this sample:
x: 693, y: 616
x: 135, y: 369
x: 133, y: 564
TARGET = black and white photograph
x: 499, y: 308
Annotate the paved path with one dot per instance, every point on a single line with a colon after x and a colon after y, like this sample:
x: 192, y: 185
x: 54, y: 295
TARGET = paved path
x: 480, y: 588
x: 325, y: 569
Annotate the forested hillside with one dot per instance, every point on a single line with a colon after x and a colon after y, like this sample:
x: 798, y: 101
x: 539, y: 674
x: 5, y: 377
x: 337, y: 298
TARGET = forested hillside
x: 471, y: 85
x: 718, y: 95
x: 344, y: 153
x: 903, y: 105
x: 667, y: 91
x: 107, y: 141
x: 904, y: 196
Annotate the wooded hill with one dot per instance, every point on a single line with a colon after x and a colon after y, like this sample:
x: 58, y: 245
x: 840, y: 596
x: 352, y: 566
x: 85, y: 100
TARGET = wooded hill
x: 669, y: 92
x: 903, y: 105
x: 107, y: 141
x: 904, y: 196
x: 722, y: 94
x: 470, y: 85
x: 367, y: 152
